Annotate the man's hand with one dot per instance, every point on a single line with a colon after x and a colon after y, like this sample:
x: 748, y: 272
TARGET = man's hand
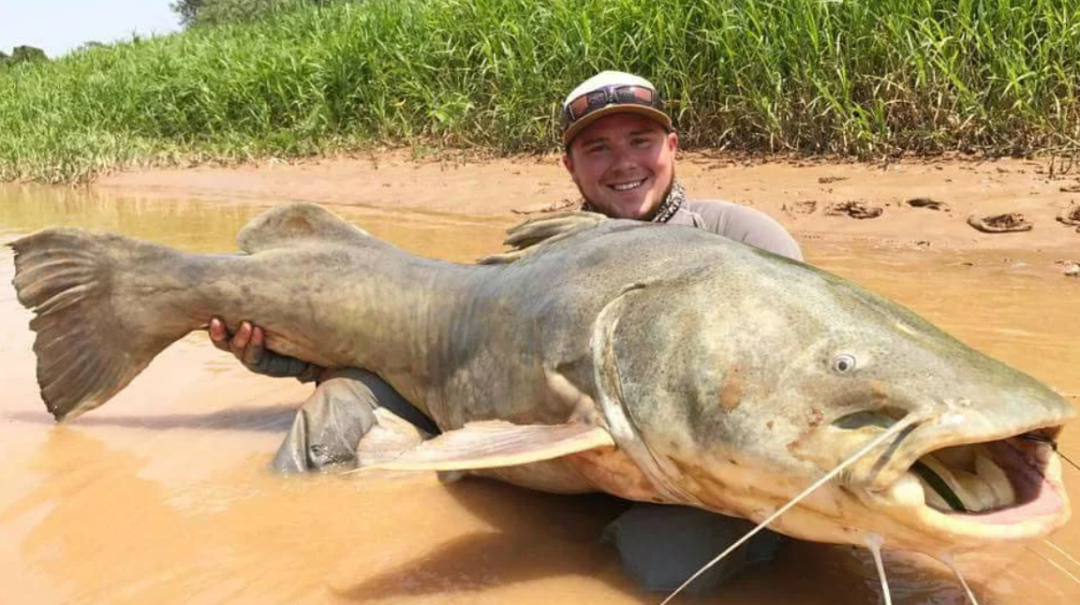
x: 248, y: 345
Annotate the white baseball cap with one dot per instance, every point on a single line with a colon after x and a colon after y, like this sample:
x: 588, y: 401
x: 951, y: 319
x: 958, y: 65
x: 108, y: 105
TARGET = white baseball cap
x: 606, y: 93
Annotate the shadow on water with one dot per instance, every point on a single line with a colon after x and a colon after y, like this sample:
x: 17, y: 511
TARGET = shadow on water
x: 272, y: 419
x: 532, y: 536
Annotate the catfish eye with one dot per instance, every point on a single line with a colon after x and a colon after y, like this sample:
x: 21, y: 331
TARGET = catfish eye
x: 843, y: 363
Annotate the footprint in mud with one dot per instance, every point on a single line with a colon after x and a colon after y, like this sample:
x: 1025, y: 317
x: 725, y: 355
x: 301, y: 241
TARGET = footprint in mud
x: 925, y: 202
x: 803, y: 207
x: 1000, y: 223
x: 1071, y: 217
x: 854, y: 209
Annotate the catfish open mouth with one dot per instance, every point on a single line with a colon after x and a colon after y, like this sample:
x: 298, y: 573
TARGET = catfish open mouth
x: 994, y: 482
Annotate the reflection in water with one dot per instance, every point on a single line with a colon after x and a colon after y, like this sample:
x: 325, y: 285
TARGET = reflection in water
x: 212, y: 227
x: 188, y: 225
x: 164, y: 495
x: 87, y: 537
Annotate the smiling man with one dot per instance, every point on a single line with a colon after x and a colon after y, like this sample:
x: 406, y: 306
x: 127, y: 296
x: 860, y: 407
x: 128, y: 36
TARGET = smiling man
x: 619, y: 147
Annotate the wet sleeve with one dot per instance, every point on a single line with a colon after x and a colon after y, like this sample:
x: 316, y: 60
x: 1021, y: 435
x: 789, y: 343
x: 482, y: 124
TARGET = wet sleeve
x: 281, y: 366
x: 747, y: 225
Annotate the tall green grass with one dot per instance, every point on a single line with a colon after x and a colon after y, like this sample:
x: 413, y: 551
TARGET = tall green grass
x: 852, y: 77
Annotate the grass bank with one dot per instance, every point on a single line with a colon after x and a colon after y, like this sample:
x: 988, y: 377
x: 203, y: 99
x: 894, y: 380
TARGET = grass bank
x: 823, y: 76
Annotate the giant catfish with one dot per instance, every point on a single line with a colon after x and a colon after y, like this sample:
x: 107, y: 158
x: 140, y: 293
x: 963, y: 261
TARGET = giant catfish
x: 655, y: 363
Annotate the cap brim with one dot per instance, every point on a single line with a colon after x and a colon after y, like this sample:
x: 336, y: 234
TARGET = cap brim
x: 649, y: 112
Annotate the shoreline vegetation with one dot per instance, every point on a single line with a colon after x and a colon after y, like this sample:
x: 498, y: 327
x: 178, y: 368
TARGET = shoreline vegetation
x: 862, y: 79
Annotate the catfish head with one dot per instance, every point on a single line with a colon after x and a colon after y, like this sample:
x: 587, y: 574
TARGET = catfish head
x: 737, y: 387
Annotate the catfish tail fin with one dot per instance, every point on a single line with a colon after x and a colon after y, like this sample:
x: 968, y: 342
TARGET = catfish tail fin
x: 85, y: 352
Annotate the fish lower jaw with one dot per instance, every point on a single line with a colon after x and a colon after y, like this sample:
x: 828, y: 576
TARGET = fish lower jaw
x: 1008, y: 501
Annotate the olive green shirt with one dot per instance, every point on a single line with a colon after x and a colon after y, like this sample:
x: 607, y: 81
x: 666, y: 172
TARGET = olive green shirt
x: 740, y: 223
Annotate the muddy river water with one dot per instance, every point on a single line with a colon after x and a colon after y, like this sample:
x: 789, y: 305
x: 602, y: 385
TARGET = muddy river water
x: 164, y: 495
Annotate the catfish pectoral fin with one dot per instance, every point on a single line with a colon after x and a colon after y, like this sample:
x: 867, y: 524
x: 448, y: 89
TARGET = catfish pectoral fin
x: 85, y: 350
x: 494, y: 444
x: 551, y: 228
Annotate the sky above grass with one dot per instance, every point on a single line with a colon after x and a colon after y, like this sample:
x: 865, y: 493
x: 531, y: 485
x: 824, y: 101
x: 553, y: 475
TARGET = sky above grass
x: 60, y: 26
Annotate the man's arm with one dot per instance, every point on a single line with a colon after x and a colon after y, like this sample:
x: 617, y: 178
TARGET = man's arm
x: 248, y: 345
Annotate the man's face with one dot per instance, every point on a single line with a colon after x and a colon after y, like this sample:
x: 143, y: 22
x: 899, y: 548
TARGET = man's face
x: 623, y: 164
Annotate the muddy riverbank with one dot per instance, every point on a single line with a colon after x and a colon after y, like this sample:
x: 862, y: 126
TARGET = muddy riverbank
x: 922, y: 203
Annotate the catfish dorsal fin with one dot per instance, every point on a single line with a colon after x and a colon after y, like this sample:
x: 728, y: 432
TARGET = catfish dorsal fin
x: 292, y: 223
x: 495, y: 443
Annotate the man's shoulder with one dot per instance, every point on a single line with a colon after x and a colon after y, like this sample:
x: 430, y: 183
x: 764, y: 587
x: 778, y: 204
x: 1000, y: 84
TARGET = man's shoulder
x: 738, y: 222
x: 709, y: 207
x: 715, y: 215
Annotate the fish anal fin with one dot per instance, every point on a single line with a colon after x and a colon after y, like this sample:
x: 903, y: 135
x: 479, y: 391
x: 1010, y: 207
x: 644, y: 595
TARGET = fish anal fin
x: 496, y: 444
x: 294, y: 223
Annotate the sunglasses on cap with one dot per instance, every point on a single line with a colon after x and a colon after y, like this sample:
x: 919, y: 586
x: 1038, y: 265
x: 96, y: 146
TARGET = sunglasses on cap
x: 609, y: 95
